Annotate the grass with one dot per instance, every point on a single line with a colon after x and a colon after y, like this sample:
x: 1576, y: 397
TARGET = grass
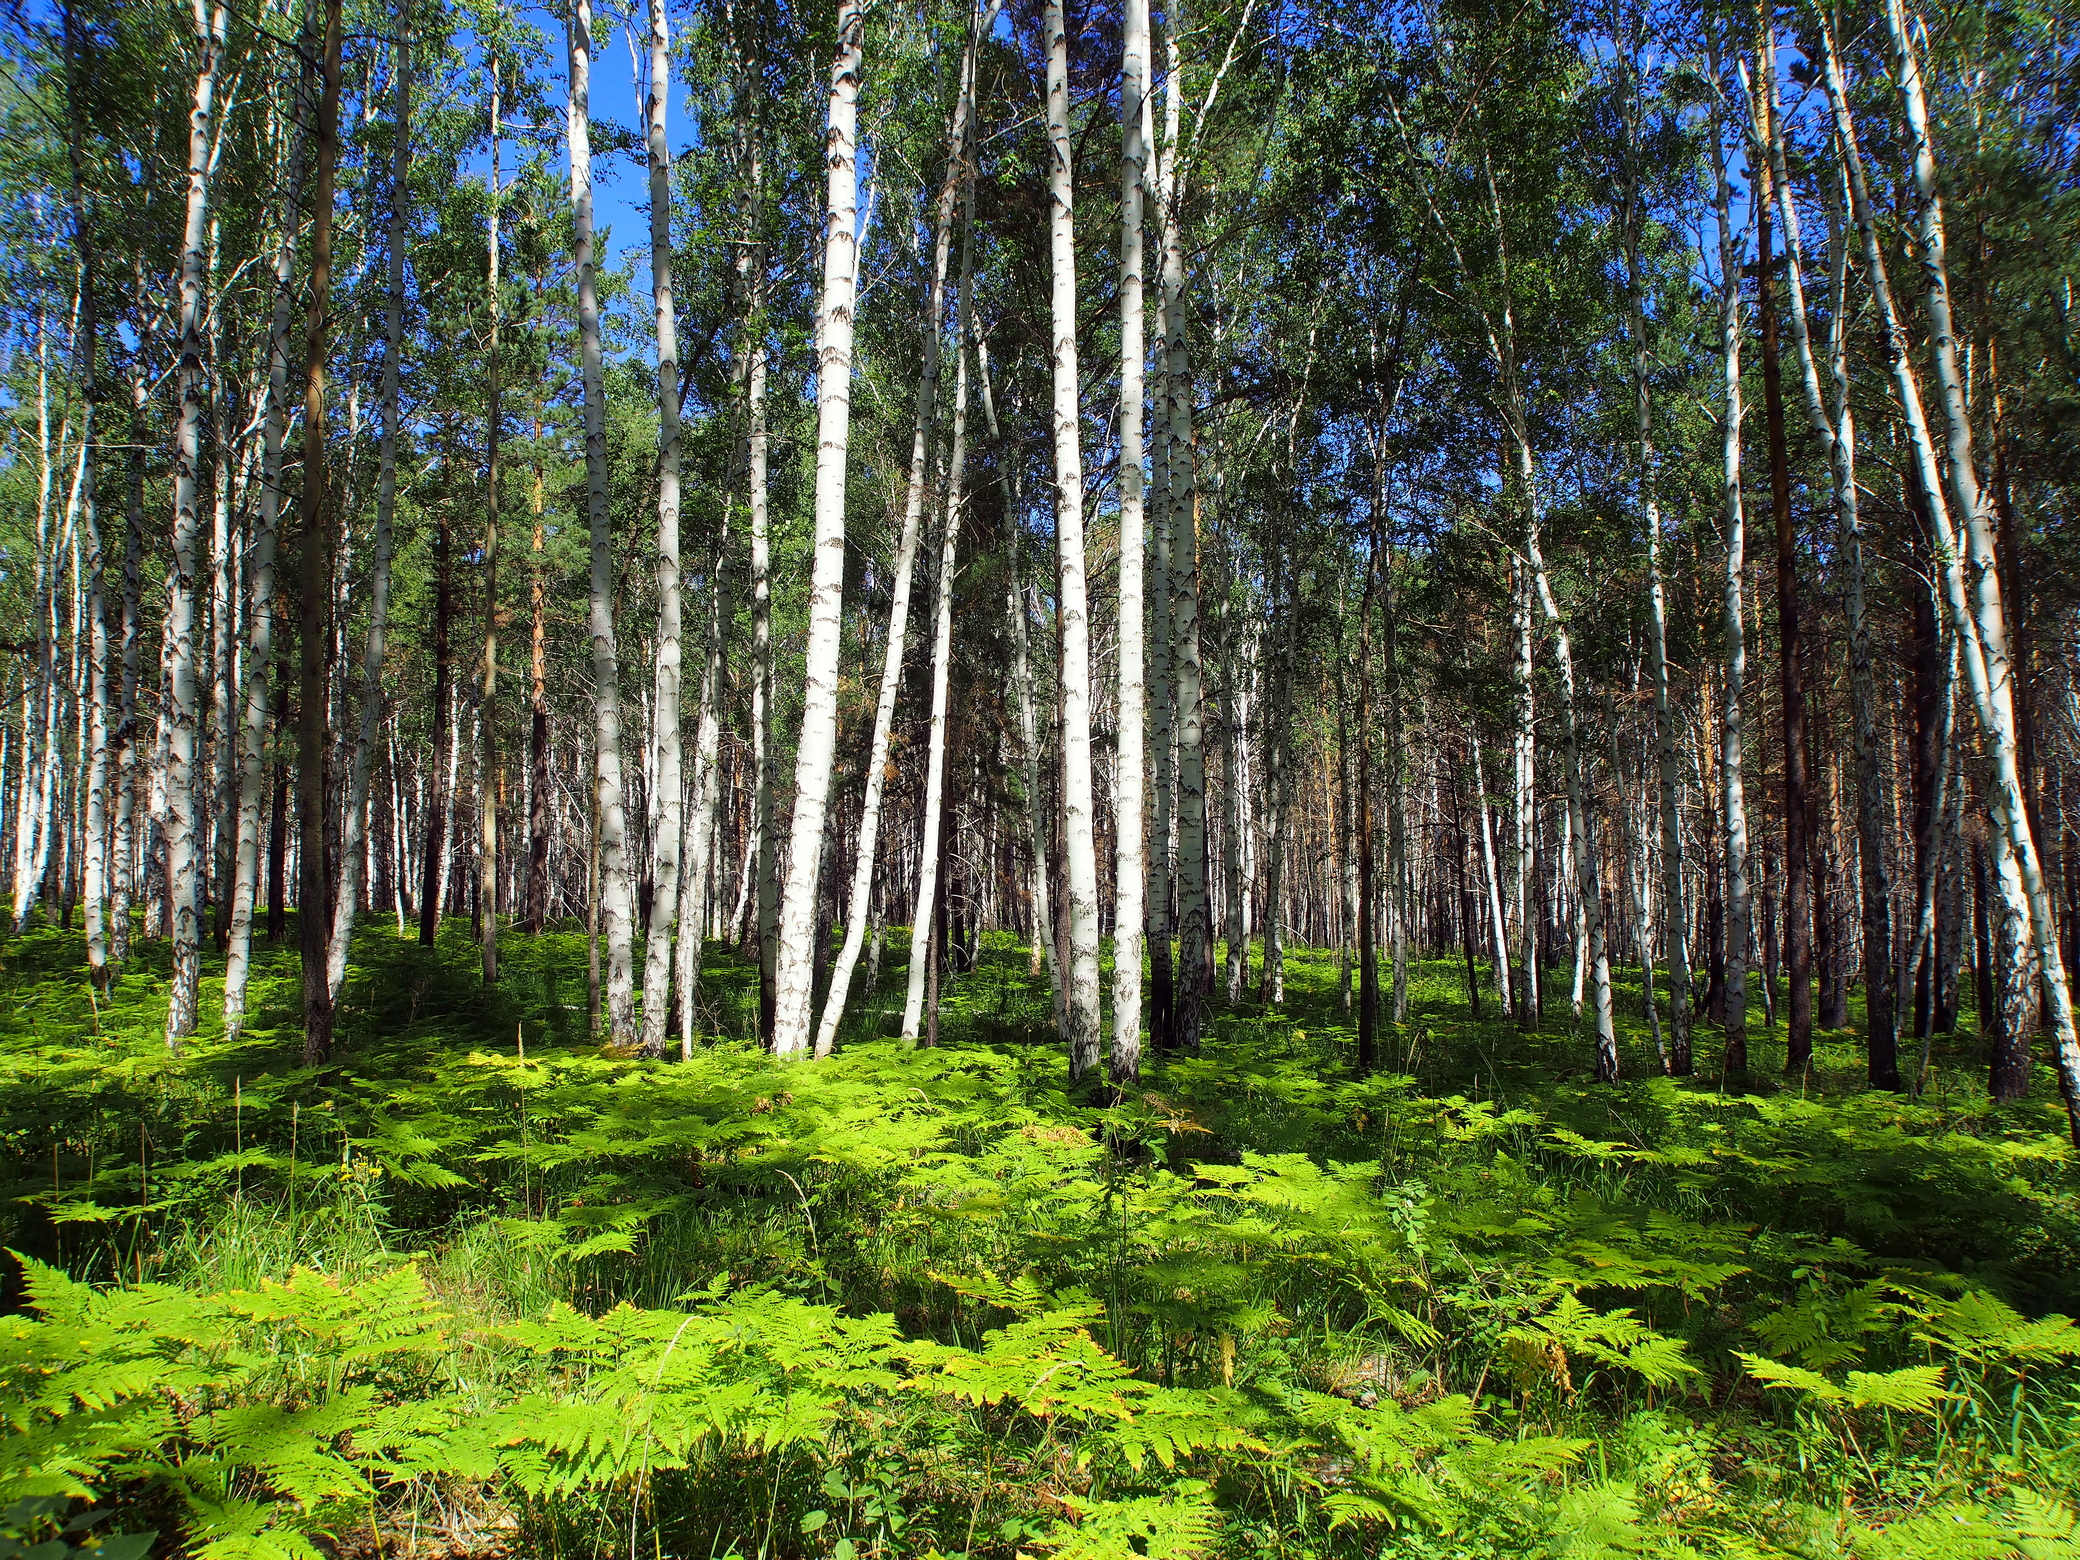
x: 557, y: 1301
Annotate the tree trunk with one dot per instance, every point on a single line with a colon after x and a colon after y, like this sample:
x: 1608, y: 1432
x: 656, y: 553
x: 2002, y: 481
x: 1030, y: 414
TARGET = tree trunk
x: 1080, y: 846
x: 616, y: 908
x: 1731, y: 723
x: 182, y: 813
x: 796, y: 955
x: 1798, y: 918
x: 353, y: 835
x: 1975, y: 600
x: 1130, y: 906
x: 916, y: 497
x: 667, y: 783
x: 312, y: 733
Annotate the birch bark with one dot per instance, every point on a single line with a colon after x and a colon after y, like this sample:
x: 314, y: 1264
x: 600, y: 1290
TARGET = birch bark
x: 916, y: 496
x: 929, y: 857
x: 1731, y: 722
x: 796, y: 960
x: 667, y: 783
x: 1973, y: 580
x: 1130, y: 911
x: 1080, y: 847
x: 616, y: 903
x: 211, y: 22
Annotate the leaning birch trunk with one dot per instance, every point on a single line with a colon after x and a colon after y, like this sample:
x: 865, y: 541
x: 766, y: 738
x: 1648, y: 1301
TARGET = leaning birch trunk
x: 1675, y: 921
x: 1182, y: 508
x: 1235, y: 932
x: 1976, y: 593
x: 928, y: 861
x: 1524, y: 801
x: 1079, y: 845
x: 121, y: 833
x: 489, y: 766
x: 1022, y: 681
x: 1498, y: 923
x: 355, y: 829
x: 1130, y: 906
x: 1731, y: 733
x: 1836, y: 431
x: 915, y: 495
x: 795, y: 965
x: 2019, y: 906
x: 210, y: 27
x: 1580, y: 822
x: 94, y: 866
x: 617, y: 908
x: 313, y: 725
x: 705, y: 791
x: 1162, y: 680
x: 666, y: 781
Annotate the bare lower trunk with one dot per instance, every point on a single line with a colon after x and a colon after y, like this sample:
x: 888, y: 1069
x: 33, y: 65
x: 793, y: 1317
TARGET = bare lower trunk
x: 666, y: 780
x: 1079, y: 843
x: 616, y: 903
x: 1131, y: 866
x: 796, y: 957
x: 313, y: 729
x: 916, y: 500
x: 354, y: 833
x: 182, y: 813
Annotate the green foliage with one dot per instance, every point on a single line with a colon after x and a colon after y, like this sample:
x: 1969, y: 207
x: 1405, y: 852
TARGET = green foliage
x: 898, y: 1303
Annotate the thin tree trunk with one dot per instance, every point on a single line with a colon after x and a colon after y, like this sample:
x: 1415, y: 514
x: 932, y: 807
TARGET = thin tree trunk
x: 1798, y: 918
x: 1194, y: 951
x: 933, y: 833
x: 1836, y: 430
x: 182, y: 814
x: 616, y: 908
x: 796, y: 958
x: 916, y: 497
x: 1130, y: 903
x: 355, y: 831
x: 313, y: 896
x: 1080, y: 847
x: 666, y: 780
x: 489, y: 771
x: 260, y: 630
x: 1675, y: 919
x: 1972, y: 580
x: 1731, y: 725
x: 86, y: 341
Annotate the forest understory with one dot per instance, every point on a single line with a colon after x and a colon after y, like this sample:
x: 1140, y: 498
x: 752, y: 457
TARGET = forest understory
x: 481, y: 1286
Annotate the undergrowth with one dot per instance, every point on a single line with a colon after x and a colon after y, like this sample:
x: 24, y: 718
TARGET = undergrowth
x: 483, y: 1288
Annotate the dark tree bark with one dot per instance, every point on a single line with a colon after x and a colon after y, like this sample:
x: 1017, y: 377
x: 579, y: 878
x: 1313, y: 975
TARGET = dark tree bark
x: 314, y: 898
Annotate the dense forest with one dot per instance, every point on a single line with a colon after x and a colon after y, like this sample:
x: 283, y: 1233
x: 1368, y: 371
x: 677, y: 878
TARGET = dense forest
x: 983, y: 781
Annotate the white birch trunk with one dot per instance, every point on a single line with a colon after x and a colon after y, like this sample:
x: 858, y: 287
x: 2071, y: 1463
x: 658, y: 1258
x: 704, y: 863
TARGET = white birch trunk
x: 667, y: 784
x: 915, y: 498
x: 617, y: 907
x: 182, y: 813
x: 1733, y: 803
x: 1130, y: 908
x: 795, y: 964
x: 1079, y: 846
x: 1973, y: 580
x: 942, y: 667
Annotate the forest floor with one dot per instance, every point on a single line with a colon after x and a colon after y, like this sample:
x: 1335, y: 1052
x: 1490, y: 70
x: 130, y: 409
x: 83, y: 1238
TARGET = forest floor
x: 481, y: 1288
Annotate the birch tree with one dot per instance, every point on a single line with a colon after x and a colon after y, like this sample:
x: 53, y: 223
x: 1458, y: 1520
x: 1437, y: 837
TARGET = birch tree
x: 665, y: 776
x: 796, y: 959
x: 211, y: 21
x: 616, y: 902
